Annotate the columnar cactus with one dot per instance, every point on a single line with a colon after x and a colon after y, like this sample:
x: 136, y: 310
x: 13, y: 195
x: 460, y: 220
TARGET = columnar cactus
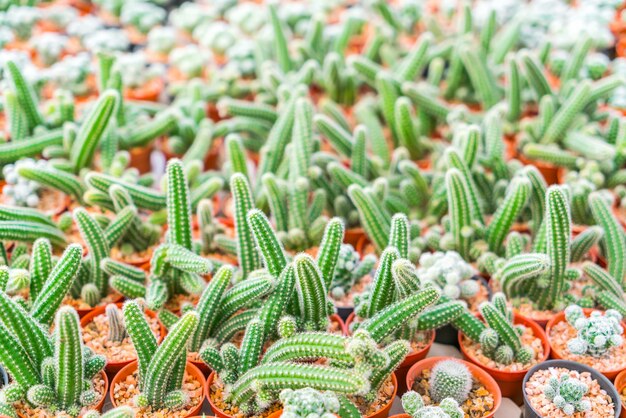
x: 567, y: 393
x: 161, y: 367
x: 596, y: 334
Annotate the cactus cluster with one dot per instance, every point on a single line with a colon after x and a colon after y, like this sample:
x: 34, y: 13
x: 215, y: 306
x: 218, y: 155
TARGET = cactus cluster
x: 596, y: 334
x: 307, y: 402
x: 450, y: 273
x: 349, y: 270
x: 567, y: 393
x: 413, y: 405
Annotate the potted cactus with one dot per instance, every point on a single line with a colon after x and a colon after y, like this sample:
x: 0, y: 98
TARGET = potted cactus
x: 50, y: 375
x: 589, y: 337
x: 161, y: 381
x: 438, y: 378
x: 104, y: 332
x: 506, y: 345
x: 559, y: 388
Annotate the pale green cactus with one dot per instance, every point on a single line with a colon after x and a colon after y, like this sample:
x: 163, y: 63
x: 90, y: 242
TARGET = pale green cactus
x: 596, y: 333
x: 450, y: 379
x: 413, y: 405
x: 308, y: 402
x: 566, y: 393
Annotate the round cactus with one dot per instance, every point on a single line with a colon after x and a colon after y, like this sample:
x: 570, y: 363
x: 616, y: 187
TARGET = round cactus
x: 566, y: 393
x: 450, y: 379
x: 596, y: 334
x: 413, y: 405
x: 308, y: 403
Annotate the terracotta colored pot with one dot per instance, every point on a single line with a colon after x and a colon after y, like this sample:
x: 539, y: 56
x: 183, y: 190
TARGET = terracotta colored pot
x: 140, y: 158
x: 478, y: 374
x: 559, y: 355
x: 189, y: 369
x: 98, y: 406
x: 383, y: 413
x: 113, y: 367
x: 400, y: 416
x: 83, y: 312
x: 620, y: 384
x: 549, y: 172
x: 511, y: 382
x: 149, y: 92
x: 409, y: 361
x: 353, y: 235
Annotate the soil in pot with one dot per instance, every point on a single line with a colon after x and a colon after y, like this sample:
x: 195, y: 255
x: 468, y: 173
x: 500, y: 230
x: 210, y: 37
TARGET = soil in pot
x: 602, y: 405
x: 382, y: 404
x: 221, y: 408
x: 480, y: 402
x: 100, y: 385
x: 560, y: 332
x: 124, y: 388
x: 96, y: 336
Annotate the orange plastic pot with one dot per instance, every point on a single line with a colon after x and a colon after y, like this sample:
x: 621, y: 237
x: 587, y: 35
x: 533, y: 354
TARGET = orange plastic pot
x: 97, y: 407
x: 189, y: 369
x: 559, y: 355
x: 478, y: 373
x: 620, y: 384
x: 412, y: 358
x: 149, y: 92
x: 549, y: 172
x: 353, y: 235
x: 511, y: 382
x: 113, y: 367
x: 140, y: 158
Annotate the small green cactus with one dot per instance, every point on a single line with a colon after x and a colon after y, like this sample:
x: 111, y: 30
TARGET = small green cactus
x: 450, y: 379
x: 566, y: 393
x: 307, y: 402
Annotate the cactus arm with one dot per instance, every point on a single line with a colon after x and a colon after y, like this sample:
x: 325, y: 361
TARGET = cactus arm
x: 127, y: 287
x: 94, y: 237
x: 229, y: 328
x: 576, y: 59
x: 251, y: 347
x: 507, y: 212
x: 311, y: 293
x: 92, y: 129
x: 520, y: 268
x: 12, y: 151
x: 393, y: 316
x: 280, y: 41
x: 497, y: 321
x: 119, y: 225
x: 399, y: 235
x: 339, y: 138
x: 396, y: 352
x: 439, y: 315
x: 141, y: 335
x: 302, y: 139
x: 480, y: 76
x: 613, y: 237
x: 328, y: 252
x: 178, y: 205
x: 359, y: 162
x: 432, y: 106
x: 30, y: 232
x: 208, y: 305
x: 247, y: 253
x: 143, y: 197
x: 277, y: 140
x: 456, y: 161
x: 567, y: 112
x: 69, y: 358
x: 276, y: 199
x: 57, y: 285
x: 608, y: 300
x: 16, y: 360
x: 114, y: 268
x: 267, y: 242
x: 11, y: 213
x: 584, y: 241
x: 383, y: 287
x: 162, y: 363
x: 243, y: 294
x: 25, y: 96
x: 344, y: 177
x: 273, y: 308
x: 141, y: 136
x: 374, y: 220
x: 459, y: 209
x: 28, y: 333
x: 55, y: 179
x: 602, y: 279
x: 308, y: 346
x: 469, y: 325
x: 415, y: 61
x: 187, y: 261
x: 535, y: 76
x: 40, y: 266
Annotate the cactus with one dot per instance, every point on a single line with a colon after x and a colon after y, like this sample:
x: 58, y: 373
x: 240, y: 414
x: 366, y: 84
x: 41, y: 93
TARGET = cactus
x: 414, y: 406
x: 308, y: 402
x: 349, y: 270
x: 566, y: 393
x: 449, y: 272
x: 596, y: 334
x: 117, y: 329
x: 119, y: 412
x: 160, y: 366
x: 450, y: 379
